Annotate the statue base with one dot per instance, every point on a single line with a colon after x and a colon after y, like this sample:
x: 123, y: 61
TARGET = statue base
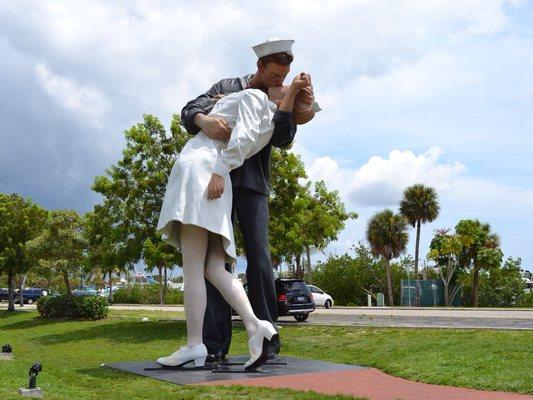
x: 232, y: 369
x: 37, y: 392
x: 6, y: 356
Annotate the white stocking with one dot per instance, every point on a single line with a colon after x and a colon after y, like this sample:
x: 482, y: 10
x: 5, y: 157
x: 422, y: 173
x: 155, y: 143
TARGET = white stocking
x: 194, y: 242
x: 227, y: 284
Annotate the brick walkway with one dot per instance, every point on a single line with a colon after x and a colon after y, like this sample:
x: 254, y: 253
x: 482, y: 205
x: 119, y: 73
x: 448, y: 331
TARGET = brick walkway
x: 373, y: 384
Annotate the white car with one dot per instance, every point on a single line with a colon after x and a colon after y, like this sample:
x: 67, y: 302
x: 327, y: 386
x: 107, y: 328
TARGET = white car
x: 320, y: 297
x: 527, y: 277
x: 175, y: 285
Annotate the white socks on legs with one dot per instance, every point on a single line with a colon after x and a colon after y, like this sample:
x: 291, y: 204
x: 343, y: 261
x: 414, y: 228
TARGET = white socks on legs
x: 227, y: 284
x: 203, y: 253
x: 194, y: 242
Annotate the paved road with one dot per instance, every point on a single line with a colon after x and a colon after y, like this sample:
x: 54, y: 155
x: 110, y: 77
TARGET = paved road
x: 415, y: 321
x: 422, y: 318
x: 393, y: 317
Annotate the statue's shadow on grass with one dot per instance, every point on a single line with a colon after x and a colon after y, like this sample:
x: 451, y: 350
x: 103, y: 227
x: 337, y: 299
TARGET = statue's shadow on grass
x: 108, y: 374
x: 4, y: 314
x: 137, y: 332
x: 122, y: 332
x: 26, y: 323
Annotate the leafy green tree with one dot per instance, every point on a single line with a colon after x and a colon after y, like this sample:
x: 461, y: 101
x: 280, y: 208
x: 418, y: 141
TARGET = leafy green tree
x: 288, y: 203
x: 500, y: 286
x: 158, y: 255
x: 387, y: 235
x: 445, y: 250
x: 61, y: 245
x: 481, y: 250
x: 107, y: 251
x: 350, y: 278
x: 339, y: 276
x: 324, y: 220
x: 419, y: 205
x: 299, y: 219
x: 134, y: 188
x: 22, y: 220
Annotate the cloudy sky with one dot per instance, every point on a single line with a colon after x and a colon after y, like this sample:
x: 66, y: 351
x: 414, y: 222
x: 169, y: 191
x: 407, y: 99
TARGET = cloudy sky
x: 431, y: 91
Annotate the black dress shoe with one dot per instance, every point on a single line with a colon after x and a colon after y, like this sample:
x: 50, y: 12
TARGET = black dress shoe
x: 274, y: 347
x: 217, y: 357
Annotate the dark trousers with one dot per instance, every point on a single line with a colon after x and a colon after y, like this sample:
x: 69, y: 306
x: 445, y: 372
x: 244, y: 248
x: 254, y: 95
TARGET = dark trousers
x: 251, y: 209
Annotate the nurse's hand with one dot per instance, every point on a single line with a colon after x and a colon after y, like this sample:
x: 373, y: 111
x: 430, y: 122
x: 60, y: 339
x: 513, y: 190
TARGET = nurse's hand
x: 215, y: 187
x: 216, y: 98
x: 301, y: 80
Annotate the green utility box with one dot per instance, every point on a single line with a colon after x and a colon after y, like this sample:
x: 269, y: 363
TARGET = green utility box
x: 380, y: 300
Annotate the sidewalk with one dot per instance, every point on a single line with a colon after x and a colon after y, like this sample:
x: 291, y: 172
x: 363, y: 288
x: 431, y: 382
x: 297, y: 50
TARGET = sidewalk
x: 464, y: 318
x: 455, y: 318
x: 373, y: 384
x: 522, y: 313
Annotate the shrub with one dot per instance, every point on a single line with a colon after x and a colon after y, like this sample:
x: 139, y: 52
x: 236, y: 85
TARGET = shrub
x: 129, y: 295
x: 73, y: 307
x: 498, y: 287
x: 526, y: 300
x: 345, y: 277
x: 146, y: 294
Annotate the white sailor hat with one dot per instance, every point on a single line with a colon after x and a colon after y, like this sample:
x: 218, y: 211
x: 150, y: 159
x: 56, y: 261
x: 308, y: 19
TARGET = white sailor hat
x: 272, y: 46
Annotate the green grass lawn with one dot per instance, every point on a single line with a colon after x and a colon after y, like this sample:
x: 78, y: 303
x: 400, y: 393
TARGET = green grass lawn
x: 72, y: 352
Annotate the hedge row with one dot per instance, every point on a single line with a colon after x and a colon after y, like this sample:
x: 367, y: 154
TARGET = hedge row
x: 146, y: 294
x: 73, y: 307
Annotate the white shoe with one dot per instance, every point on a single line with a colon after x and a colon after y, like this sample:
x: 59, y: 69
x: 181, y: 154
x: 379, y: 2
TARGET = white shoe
x: 184, y: 356
x: 258, y: 345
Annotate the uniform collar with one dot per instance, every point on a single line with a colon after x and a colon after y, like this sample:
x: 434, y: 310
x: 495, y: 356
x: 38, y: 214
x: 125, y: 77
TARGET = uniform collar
x: 245, y: 82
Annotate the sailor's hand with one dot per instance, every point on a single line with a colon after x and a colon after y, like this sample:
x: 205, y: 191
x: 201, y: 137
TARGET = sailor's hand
x: 215, y: 187
x: 216, y: 128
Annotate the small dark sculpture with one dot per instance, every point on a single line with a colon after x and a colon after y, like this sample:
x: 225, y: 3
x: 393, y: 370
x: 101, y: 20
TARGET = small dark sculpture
x: 7, y: 349
x: 34, y: 371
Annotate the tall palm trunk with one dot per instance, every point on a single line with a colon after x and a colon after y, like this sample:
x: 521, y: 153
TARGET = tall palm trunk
x: 389, y: 281
x: 417, y: 247
x: 475, y: 286
x: 11, y: 290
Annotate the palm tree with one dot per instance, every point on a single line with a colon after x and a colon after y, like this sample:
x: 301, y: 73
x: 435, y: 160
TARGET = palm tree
x: 387, y: 235
x: 419, y: 205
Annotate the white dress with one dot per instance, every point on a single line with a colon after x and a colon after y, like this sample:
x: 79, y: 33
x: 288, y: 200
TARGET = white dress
x: 249, y: 113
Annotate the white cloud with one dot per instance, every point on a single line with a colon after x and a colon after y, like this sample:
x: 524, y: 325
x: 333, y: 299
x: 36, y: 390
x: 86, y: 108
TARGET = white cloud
x: 486, y: 199
x: 389, y: 75
x: 83, y: 101
x: 433, y: 73
x: 189, y: 45
x: 381, y: 181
